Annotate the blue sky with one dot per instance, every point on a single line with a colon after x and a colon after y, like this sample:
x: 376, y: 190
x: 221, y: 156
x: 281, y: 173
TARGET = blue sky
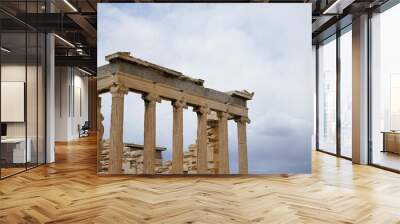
x: 263, y: 48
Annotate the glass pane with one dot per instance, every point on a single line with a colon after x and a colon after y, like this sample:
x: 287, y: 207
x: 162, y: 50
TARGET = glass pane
x: 327, y: 96
x: 31, y: 98
x: 13, y: 87
x: 346, y: 93
x: 386, y: 89
x: 23, y: 89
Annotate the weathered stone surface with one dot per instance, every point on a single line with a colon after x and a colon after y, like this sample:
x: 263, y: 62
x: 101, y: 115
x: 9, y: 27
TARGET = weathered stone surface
x: 125, y: 63
x: 214, y: 108
x: 132, y: 161
x: 132, y: 158
x: 116, y: 128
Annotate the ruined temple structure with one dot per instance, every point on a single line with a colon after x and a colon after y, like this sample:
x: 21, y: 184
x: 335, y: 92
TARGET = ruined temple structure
x: 132, y: 157
x: 209, y: 154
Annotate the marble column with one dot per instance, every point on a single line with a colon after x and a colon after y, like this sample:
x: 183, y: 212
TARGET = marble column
x: 223, y: 153
x: 177, y: 138
x: 150, y: 101
x: 242, y: 147
x: 202, y: 163
x: 116, y: 129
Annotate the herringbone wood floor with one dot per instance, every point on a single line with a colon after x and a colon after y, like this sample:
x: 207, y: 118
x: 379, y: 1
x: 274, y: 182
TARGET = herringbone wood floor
x: 69, y: 191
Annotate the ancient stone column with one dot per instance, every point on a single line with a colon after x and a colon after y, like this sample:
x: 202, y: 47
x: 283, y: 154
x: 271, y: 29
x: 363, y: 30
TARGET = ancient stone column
x: 116, y: 129
x: 177, y: 138
x: 100, y: 131
x: 150, y: 101
x: 202, y: 163
x: 223, y: 153
x: 242, y: 141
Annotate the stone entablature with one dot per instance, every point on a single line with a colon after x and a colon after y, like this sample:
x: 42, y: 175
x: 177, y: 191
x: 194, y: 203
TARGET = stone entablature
x: 126, y: 73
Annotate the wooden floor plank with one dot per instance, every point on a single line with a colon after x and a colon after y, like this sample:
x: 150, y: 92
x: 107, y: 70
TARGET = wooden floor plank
x: 69, y: 191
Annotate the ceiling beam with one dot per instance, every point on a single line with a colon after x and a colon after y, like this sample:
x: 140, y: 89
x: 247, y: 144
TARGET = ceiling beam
x: 77, y: 61
x: 84, y: 24
x: 337, y: 6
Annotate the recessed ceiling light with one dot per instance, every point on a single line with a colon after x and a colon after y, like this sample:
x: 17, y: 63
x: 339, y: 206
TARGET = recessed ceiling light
x: 64, y: 40
x: 70, y: 5
x: 86, y: 72
x: 338, y: 6
x: 5, y: 50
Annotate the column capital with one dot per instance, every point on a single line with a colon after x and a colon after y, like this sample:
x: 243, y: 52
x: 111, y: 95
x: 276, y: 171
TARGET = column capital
x: 242, y: 119
x: 202, y: 109
x: 223, y: 115
x: 151, y: 97
x: 118, y: 90
x: 179, y: 104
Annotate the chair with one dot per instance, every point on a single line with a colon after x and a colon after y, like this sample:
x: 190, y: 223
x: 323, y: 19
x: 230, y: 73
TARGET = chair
x: 84, y: 130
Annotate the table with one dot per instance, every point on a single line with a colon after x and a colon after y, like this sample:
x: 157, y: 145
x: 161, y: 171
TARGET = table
x: 391, y: 141
x: 13, y: 150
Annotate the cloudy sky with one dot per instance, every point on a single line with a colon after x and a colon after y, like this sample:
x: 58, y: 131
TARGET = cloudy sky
x: 263, y: 48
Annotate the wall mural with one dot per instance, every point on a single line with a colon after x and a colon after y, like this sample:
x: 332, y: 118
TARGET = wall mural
x: 245, y: 113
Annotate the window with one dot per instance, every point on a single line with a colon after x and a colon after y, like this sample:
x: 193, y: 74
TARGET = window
x: 327, y: 96
x: 346, y: 93
x: 385, y: 89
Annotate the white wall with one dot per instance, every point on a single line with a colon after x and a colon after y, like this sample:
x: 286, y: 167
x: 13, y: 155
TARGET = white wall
x: 81, y: 103
x: 61, y: 105
x: 33, y: 126
x: 16, y: 73
x: 71, y: 102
